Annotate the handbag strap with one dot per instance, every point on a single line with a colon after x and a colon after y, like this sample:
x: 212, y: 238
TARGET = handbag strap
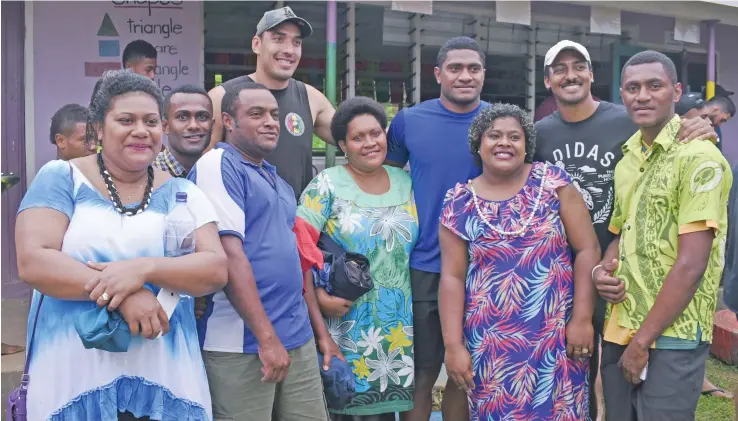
x: 25, y: 378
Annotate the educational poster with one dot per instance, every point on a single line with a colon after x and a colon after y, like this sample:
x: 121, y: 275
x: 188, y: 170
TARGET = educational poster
x: 75, y: 42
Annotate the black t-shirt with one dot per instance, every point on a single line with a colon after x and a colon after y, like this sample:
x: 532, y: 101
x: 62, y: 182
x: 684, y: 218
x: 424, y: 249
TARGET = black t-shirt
x: 588, y: 150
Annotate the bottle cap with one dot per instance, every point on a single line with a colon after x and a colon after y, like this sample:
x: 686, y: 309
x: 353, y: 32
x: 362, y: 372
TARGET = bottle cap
x: 181, y: 196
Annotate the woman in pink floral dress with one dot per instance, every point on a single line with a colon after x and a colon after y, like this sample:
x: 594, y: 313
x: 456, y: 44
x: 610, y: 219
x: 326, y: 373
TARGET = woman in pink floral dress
x: 516, y: 311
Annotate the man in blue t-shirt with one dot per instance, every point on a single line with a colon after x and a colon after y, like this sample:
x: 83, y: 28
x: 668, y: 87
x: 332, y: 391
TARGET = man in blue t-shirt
x: 433, y: 137
x: 257, y: 342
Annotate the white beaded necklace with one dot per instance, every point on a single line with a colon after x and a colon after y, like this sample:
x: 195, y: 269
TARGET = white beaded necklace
x: 525, y: 225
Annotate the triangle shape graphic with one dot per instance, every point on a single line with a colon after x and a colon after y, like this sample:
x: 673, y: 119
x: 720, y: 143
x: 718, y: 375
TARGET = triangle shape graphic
x: 107, y: 29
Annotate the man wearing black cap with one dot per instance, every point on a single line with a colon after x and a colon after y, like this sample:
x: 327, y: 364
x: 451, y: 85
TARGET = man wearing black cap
x: 302, y: 108
x: 721, y: 109
x: 690, y: 105
x: 717, y: 110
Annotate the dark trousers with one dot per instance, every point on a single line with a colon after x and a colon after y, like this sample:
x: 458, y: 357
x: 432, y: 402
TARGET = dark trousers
x: 669, y: 393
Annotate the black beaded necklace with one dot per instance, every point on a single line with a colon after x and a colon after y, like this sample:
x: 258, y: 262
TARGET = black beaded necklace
x: 113, y: 192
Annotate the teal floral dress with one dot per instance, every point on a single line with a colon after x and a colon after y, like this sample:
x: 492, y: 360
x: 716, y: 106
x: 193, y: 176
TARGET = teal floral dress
x: 376, y: 335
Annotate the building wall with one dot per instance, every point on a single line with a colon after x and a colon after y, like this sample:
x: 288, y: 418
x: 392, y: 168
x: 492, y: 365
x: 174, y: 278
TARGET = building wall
x: 59, y: 73
x: 726, y: 37
x: 13, y: 138
x: 652, y: 29
x: 73, y: 44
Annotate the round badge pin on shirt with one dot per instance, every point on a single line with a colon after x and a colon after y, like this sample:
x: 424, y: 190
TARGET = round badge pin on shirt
x: 294, y: 124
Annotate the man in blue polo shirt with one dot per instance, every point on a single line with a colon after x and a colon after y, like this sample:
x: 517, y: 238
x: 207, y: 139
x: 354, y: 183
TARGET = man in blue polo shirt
x: 257, y: 342
x: 433, y: 137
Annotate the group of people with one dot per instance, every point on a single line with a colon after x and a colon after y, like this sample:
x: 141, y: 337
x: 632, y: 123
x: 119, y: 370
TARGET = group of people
x: 482, y: 255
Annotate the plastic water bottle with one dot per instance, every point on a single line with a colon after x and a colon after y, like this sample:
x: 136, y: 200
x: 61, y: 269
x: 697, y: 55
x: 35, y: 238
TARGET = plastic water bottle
x: 179, y: 236
x: 179, y: 240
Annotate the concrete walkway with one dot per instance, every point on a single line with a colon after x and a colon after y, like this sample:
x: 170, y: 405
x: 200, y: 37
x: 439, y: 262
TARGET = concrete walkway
x: 14, y: 319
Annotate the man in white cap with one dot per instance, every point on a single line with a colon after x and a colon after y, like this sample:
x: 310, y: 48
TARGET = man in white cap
x: 585, y: 137
x: 303, y: 110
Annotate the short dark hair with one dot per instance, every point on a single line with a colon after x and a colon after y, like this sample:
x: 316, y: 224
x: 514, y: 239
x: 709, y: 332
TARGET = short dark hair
x: 65, y: 118
x: 488, y: 115
x: 648, y: 57
x: 228, y: 105
x: 137, y: 50
x: 185, y: 89
x: 116, y: 83
x: 726, y: 104
x: 459, y: 43
x: 350, y: 109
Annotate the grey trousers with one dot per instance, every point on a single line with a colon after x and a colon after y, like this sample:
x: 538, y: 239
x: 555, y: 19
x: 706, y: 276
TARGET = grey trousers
x: 238, y: 393
x: 669, y: 393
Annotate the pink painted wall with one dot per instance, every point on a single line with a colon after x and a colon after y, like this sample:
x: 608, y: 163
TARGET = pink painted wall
x: 65, y: 36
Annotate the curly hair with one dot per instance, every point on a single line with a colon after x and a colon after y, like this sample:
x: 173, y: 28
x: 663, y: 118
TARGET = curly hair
x: 486, y: 116
x: 350, y: 109
x: 113, y: 84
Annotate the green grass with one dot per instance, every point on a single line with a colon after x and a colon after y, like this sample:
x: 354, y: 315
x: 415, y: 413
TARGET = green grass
x: 718, y: 409
x: 708, y: 409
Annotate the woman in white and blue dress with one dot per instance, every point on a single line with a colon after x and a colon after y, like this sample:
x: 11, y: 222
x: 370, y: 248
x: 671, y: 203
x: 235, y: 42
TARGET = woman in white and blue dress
x: 90, y: 233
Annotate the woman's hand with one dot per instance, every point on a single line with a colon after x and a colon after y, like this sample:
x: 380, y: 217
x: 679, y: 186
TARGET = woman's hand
x: 332, y: 306
x: 144, y: 314
x: 459, y: 366
x: 579, y: 339
x: 329, y: 349
x: 116, y: 281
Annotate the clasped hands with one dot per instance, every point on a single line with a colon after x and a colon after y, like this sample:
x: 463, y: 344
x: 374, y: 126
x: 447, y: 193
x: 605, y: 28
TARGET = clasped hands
x: 120, y: 286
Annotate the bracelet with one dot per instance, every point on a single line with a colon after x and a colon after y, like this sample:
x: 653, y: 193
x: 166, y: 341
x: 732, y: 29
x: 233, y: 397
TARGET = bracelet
x: 594, y: 269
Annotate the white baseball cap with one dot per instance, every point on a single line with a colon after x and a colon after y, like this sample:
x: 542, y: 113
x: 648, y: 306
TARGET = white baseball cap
x: 565, y: 45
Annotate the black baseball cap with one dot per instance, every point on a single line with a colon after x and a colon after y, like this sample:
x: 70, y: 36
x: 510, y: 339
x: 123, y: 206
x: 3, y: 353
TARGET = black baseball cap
x: 720, y: 91
x: 276, y: 17
x: 690, y: 101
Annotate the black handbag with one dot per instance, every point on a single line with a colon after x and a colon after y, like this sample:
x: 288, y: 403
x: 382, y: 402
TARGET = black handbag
x: 349, y: 276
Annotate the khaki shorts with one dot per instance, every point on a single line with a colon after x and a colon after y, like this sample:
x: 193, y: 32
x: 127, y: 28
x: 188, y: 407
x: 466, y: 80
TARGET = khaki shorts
x: 238, y: 394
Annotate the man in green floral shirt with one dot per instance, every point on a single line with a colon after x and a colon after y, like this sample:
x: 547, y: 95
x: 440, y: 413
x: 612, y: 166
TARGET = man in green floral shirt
x: 661, y: 272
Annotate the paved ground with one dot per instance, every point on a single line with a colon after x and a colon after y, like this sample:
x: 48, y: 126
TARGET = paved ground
x: 14, y: 317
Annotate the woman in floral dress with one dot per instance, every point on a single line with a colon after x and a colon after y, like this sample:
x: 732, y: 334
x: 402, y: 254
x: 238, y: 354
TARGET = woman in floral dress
x: 516, y: 312
x: 368, y: 208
